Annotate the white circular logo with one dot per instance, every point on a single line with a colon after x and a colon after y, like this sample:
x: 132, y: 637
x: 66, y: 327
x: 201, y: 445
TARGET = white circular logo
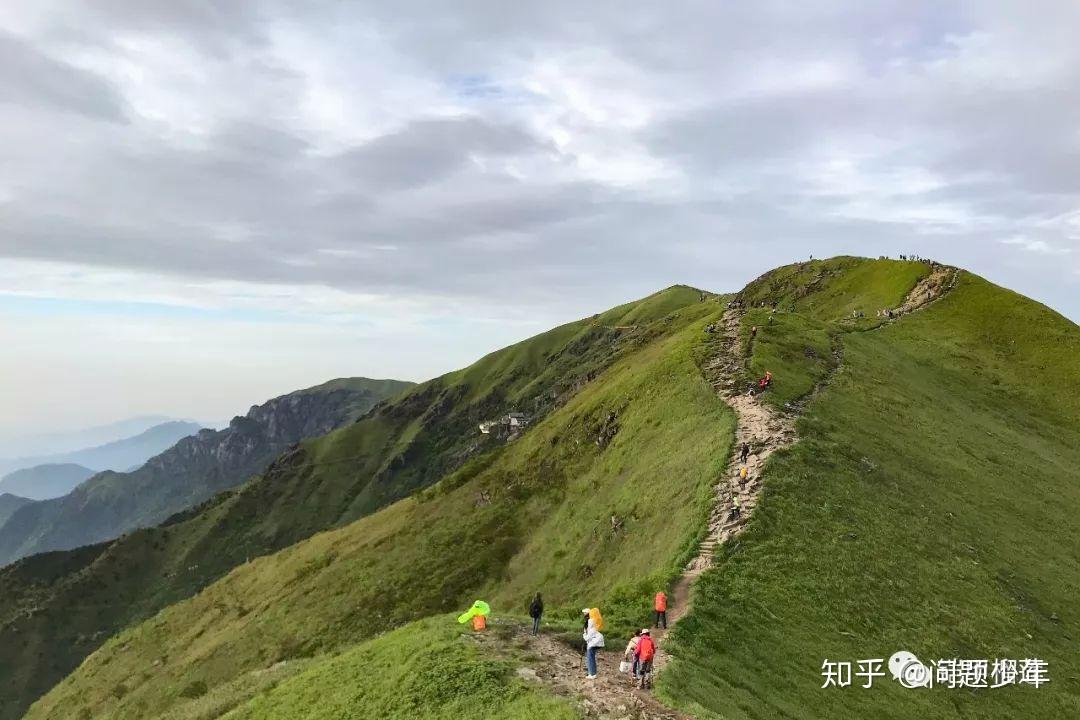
x: 908, y: 671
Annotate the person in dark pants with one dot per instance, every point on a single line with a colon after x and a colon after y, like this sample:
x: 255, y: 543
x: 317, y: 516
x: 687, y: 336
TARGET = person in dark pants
x: 660, y: 606
x: 744, y: 453
x: 645, y: 652
x: 536, y: 611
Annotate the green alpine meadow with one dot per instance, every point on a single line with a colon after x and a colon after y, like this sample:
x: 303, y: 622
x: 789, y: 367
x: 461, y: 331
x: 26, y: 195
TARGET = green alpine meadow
x: 912, y: 484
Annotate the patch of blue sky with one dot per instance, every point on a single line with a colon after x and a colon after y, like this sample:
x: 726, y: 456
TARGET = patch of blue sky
x: 482, y: 87
x: 915, y: 37
x: 44, y: 306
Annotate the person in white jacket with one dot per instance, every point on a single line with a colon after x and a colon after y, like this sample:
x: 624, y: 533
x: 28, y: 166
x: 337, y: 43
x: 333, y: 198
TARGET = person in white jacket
x: 594, y: 640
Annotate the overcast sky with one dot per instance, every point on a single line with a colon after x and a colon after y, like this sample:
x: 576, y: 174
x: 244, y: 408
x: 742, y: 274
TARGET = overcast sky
x: 205, y: 204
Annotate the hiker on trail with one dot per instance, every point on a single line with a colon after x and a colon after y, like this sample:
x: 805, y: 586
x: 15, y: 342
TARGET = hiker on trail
x: 591, y: 617
x: 744, y: 452
x: 536, y: 611
x: 594, y: 640
x: 742, y: 474
x: 660, y: 606
x: 644, y: 654
x: 629, y: 657
x: 736, y: 506
x: 753, y: 332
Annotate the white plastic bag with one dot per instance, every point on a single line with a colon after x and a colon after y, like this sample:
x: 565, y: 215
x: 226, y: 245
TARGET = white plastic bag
x: 624, y: 667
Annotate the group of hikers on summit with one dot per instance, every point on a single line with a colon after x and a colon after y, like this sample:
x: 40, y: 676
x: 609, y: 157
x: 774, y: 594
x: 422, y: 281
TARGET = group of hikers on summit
x: 639, y: 653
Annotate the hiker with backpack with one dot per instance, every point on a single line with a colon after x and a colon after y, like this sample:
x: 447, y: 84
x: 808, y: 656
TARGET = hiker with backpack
x: 644, y: 654
x: 744, y: 452
x: 660, y: 607
x: 536, y: 611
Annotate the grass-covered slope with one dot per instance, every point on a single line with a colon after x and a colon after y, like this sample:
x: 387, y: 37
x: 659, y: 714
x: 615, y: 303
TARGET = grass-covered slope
x: 834, y: 289
x: 50, y: 620
x: 425, y: 670
x: 931, y: 506
x: 534, y: 514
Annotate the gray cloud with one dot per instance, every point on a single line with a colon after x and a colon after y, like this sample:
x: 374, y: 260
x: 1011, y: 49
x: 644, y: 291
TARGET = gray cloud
x: 32, y: 79
x: 430, y: 150
x: 567, y: 154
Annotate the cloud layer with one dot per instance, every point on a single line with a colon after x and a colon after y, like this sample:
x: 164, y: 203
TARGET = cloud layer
x: 526, y: 164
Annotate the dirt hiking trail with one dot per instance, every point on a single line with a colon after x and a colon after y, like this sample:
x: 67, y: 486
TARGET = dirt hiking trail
x: 561, y: 668
x: 765, y: 429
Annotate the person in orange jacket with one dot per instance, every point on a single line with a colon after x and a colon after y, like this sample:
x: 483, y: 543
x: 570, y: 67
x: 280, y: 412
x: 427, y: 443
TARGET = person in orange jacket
x: 660, y: 606
x: 644, y: 654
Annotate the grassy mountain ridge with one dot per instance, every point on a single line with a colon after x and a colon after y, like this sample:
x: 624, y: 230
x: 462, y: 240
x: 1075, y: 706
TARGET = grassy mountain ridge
x: 486, y: 528
x: 928, y: 506
x: 400, y: 446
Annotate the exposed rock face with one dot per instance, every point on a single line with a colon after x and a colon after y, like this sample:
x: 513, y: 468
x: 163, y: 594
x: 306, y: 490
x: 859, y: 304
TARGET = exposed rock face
x: 269, y: 428
x: 197, y: 467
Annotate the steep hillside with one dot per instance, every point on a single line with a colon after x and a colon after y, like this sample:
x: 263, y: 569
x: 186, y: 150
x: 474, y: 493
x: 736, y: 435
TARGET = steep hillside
x: 71, y: 605
x: 9, y: 504
x: 535, y: 513
x: 42, y: 482
x: 929, y: 505
x: 925, y: 503
x: 197, y: 467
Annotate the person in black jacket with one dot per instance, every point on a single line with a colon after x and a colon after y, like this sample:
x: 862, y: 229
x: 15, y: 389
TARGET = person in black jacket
x: 536, y: 609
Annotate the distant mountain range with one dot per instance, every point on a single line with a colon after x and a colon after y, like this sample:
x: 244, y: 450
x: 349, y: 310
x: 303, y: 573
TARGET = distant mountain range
x: 15, y: 444
x: 42, y: 482
x: 123, y: 454
x: 190, y: 471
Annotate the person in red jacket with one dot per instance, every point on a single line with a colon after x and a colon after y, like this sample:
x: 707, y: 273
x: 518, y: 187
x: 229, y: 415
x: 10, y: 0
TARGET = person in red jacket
x: 660, y: 606
x: 644, y: 654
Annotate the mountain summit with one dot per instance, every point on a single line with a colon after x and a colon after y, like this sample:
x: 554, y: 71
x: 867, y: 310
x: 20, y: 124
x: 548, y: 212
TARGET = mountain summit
x: 910, y: 485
